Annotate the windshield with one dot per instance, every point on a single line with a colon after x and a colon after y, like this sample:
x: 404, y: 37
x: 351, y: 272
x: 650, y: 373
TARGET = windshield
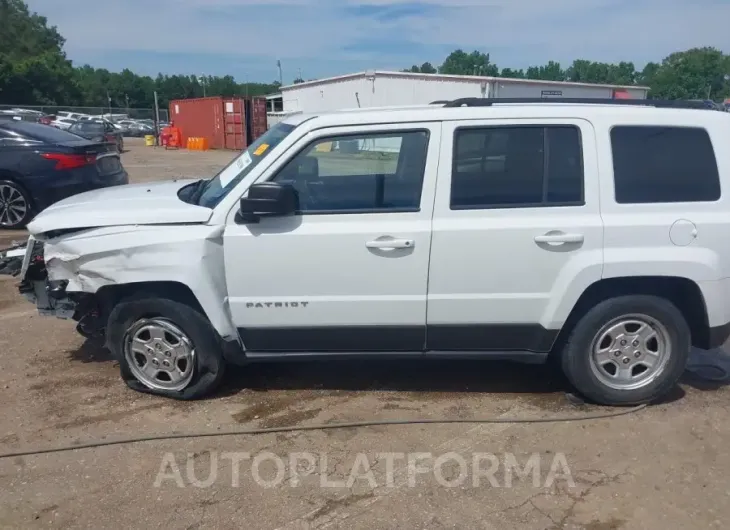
x: 220, y: 185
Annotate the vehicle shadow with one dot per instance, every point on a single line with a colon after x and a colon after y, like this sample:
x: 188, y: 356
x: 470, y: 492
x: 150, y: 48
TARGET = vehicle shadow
x: 706, y: 371
x: 406, y: 375
x: 91, y: 351
x: 543, y: 386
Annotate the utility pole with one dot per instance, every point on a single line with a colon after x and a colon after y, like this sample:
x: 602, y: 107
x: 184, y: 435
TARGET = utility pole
x: 109, y: 100
x: 157, y: 121
x: 281, y: 78
x: 201, y: 79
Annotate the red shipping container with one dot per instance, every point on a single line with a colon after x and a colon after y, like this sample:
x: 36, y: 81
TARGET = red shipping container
x: 245, y: 121
x: 258, y: 117
x: 227, y: 123
x: 234, y: 117
x: 199, y: 117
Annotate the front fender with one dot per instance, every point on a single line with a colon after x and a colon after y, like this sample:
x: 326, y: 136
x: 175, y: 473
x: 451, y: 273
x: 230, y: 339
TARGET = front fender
x: 188, y: 254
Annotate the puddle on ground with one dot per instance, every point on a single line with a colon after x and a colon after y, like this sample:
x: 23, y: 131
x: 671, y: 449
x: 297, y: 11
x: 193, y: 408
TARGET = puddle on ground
x: 293, y: 417
x: 264, y: 409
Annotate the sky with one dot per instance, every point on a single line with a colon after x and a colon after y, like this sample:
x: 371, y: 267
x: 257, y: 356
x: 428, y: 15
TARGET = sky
x: 245, y: 38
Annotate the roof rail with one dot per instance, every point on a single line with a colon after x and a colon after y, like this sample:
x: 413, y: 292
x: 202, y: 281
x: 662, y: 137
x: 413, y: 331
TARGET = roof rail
x: 658, y: 103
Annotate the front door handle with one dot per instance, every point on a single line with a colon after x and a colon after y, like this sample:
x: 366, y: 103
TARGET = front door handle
x: 390, y: 243
x: 559, y: 238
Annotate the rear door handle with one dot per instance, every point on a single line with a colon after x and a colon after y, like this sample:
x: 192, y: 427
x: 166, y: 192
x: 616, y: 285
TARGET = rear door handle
x: 389, y: 243
x: 558, y: 238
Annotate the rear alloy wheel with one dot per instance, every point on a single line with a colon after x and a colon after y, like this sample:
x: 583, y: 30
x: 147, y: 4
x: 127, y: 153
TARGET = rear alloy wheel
x: 627, y: 350
x: 14, y: 205
x: 630, y: 352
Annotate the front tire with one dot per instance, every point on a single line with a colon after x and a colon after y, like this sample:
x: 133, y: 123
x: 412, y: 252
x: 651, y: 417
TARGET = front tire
x: 165, y: 347
x: 627, y: 350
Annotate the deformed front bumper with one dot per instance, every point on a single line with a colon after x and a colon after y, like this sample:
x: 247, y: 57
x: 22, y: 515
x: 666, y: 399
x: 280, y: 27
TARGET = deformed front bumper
x: 27, y: 264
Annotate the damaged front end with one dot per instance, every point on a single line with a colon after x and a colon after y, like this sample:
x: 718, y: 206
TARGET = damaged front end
x: 27, y: 263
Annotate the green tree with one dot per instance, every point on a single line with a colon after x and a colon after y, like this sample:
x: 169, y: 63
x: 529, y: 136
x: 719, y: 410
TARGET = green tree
x: 698, y: 73
x: 512, y: 74
x: 475, y: 63
x: 33, y: 66
x: 428, y: 68
x: 425, y: 68
x: 646, y: 76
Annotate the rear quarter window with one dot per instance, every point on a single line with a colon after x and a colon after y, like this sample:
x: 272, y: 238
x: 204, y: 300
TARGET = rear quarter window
x: 663, y: 165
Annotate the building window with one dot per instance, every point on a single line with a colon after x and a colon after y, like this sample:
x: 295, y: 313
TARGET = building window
x: 507, y: 167
x: 360, y: 173
x: 663, y: 165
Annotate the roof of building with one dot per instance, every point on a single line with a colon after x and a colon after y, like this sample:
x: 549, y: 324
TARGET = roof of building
x: 444, y: 77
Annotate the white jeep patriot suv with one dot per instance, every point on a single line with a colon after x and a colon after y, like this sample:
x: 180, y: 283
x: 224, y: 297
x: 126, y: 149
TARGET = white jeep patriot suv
x: 595, y: 232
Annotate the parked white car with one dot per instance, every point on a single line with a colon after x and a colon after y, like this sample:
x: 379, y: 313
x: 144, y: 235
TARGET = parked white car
x: 75, y: 116
x: 62, y: 123
x: 595, y: 232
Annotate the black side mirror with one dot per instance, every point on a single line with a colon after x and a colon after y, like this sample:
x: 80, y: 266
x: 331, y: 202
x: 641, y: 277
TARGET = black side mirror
x: 268, y: 199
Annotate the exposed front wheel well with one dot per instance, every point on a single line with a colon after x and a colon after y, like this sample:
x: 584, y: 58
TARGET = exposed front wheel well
x: 110, y: 295
x: 682, y: 292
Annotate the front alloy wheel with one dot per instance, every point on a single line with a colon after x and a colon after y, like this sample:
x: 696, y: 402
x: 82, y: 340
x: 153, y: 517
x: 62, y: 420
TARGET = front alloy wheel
x: 159, y: 354
x: 165, y: 347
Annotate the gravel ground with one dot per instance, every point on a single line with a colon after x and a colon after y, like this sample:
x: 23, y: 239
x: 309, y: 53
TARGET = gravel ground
x: 663, y: 467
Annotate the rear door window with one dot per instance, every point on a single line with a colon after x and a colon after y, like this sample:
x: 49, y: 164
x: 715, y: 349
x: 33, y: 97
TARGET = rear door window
x: 517, y: 166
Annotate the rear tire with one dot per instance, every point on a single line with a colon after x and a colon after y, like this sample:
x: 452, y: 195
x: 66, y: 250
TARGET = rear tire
x: 165, y: 347
x: 627, y: 350
x: 15, y: 205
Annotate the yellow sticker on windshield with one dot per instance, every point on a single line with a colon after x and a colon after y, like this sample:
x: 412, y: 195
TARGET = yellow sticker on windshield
x: 261, y: 149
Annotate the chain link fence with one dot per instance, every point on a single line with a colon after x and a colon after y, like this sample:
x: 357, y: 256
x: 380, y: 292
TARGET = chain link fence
x: 113, y: 113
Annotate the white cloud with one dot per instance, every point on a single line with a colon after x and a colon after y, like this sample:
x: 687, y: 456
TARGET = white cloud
x: 517, y: 32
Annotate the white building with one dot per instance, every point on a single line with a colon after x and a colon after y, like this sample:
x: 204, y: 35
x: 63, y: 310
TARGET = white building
x: 382, y: 88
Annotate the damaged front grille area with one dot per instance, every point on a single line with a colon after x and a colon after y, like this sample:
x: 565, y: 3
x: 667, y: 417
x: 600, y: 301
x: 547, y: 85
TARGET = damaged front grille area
x: 27, y: 263
x: 49, y: 296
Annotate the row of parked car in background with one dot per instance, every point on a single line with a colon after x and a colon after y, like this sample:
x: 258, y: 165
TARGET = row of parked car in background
x: 121, y: 124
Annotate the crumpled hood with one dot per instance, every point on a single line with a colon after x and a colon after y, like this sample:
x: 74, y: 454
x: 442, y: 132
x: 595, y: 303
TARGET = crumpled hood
x: 131, y: 204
